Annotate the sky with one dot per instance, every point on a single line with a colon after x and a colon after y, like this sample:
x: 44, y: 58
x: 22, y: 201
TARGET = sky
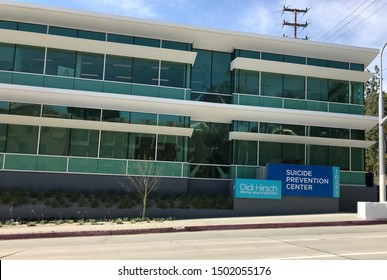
x: 351, y: 22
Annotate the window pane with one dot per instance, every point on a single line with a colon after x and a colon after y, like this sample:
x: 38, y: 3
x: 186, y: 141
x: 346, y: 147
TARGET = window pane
x: 357, y: 93
x: 173, y: 121
x: 54, y: 141
x: 272, y: 56
x: 147, y: 42
x: 357, y: 134
x: 119, y: 69
x: 171, y: 148
x: 24, y: 109
x: 86, y: 114
x: 176, y: 45
x: 89, y: 66
x: 357, y: 67
x: 60, y: 63
x: 4, y: 107
x: 115, y: 116
x: 272, y: 84
x: 201, y: 71
x: 327, y: 132
x: 247, y: 54
x: 318, y: 155
x: 245, y: 152
x: 283, y: 129
x: 22, y: 139
x: 317, y: 62
x: 5, y: 24
x: 91, y: 35
x: 52, y: 111
x: 338, y: 91
x: 247, y: 82
x: 145, y: 71
x: 318, y: 89
x: 37, y: 28
x: 84, y: 142
x: 357, y: 159
x: 7, y: 53
x: 61, y: 31
x: 221, y: 75
x: 29, y: 59
x: 143, y: 118
x: 338, y: 64
x: 120, y: 39
x: 243, y: 126
x: 294, y: 59
x: 339, y: 156
x: 142, y: 146
x: 114, y: 144
x: 281, y: 153
x: 294, y: 87
x: 172, y: 74
x: 3, y: 137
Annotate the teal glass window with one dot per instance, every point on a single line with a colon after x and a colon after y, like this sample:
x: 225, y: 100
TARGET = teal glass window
x: 248, y: 54
x: 338, y: 64
x: 22, y: 139
x: 61, y: 31
x: 173, y: 121
x: 294, y: 59
x: 272, y: 84
x: 356, y: 67
x: 147, y: 42
x: 84, y: 142
x: 115, y: 116
x: 272, y: 56
x: 29, y: 59
x: 209, y: 143
x: 338, y: 91
x: 52, y: 111
x: 7, y: 54
x: 357, y: 159
x: 119, y: 69
x: 30, y: 27
x: 329, y: 132
x: 5, y: 24
x: 89, y: 66
x: 86, y: 114
x: 329, y: 156
x: 114, y: 145
x: 247, y: 82
x: 201, y: 71
x: 145, y: 71
x: 243, y: 126
x: 173, y: 74
x: 221, y: 75
x: 317, y: 89
x: 122, y: 39
x: 25, y: 109
x: 176, y: 46
x: 60, y: 62
x: 317, y: 62
x: 245, y: 152
x: 270, y: 152
x: 54, y: 141
x: 283, y: 129
x: 357, y: 134
x: 3, y: 137
x: 4, y: 107
x: 142, y: 146
x: 171, y: 148
x: 294, y: 87
x: 357, y: 93
x: 91, y: 35
x: 143, y: 118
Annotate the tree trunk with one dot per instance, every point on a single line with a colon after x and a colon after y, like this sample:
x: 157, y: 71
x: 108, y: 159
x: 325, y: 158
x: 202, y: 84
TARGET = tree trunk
x: 143, y: 207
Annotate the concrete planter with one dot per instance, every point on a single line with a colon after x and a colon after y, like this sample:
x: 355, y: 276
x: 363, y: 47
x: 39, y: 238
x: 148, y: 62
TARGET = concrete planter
x: 372, y: 210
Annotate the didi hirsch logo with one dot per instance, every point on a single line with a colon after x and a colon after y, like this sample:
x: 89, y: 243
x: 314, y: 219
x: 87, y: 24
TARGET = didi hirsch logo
x: 269, y: 189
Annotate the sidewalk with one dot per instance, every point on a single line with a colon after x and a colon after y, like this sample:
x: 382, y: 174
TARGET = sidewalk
x: 108, y: 228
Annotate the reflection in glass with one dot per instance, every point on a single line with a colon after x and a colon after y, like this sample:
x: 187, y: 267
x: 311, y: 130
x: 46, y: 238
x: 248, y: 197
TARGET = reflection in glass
x: 142, y: 146
x: 84, y: 142
x: 29, y: 59
x: 272, y: 84
x: 171, y: 148
x: 60, y: 63
x: 54, y: 141
x: 22, y: 139
x: 114, y: 145
x: 7, y: 52
x: 89, y: 66
x: 119, y: 69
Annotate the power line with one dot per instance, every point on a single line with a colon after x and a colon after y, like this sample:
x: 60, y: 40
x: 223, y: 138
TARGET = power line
x: 365, y: 19
x: 343, y: 20
x: 351, y: 20
x: 294, y: 24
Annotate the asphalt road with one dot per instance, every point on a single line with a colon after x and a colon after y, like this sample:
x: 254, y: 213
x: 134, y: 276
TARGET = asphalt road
x: 319, y: 243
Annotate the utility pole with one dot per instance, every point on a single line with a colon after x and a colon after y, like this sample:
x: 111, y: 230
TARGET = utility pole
x: 295, y: 24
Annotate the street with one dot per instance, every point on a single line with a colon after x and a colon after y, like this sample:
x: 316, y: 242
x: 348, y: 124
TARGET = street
x: 319, y: 243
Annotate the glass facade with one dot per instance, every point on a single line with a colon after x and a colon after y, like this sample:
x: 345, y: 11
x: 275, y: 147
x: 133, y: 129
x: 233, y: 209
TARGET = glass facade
x: 208, y: 153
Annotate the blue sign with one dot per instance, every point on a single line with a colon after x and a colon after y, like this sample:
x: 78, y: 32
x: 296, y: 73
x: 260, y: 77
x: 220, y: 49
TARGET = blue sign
x: 264, y: 189
x: 301, y: 180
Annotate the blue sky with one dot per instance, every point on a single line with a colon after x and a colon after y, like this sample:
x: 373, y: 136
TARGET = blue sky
x: 350, y: 22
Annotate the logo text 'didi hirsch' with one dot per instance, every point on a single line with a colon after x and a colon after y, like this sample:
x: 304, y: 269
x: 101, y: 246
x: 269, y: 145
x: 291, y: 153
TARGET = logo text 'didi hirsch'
x: 258, y: 188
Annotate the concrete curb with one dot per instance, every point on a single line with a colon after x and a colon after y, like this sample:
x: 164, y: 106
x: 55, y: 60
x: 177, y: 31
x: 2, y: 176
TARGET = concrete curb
x: 86, y: 233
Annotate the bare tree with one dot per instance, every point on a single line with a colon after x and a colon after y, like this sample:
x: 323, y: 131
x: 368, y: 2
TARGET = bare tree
x: 145, y: 178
